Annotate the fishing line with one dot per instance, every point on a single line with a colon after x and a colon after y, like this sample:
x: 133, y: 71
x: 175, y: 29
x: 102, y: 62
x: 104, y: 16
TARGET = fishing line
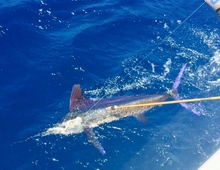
x: 121, y: 80
x: 166, y: 37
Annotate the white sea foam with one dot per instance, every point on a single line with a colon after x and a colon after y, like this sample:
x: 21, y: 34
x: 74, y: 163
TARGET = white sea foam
x: 215, y: 58
x: 215, y: 82
x: 166, y: 66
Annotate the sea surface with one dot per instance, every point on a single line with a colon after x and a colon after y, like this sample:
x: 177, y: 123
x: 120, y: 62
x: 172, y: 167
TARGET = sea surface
x: 111, y: 48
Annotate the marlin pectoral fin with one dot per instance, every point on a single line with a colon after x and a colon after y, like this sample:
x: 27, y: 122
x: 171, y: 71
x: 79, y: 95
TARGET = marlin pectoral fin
x: 93, y: 139
x: 142, y: 118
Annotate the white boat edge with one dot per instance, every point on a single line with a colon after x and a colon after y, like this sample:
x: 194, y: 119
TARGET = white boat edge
x: 213, y: 163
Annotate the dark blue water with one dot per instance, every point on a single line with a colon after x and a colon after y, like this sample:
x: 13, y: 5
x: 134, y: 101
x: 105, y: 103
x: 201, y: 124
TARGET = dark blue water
x: 110, y: 48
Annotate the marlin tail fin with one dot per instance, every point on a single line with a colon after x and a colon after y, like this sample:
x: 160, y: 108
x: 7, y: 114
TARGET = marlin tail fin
x: 175, y: 91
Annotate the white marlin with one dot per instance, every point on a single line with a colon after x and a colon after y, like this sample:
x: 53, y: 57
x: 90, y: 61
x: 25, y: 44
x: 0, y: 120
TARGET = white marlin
x: 86, y: 114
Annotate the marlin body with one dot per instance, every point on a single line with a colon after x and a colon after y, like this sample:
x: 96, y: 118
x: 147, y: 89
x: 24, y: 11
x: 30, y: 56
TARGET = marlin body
x: 86, y: 114
x: 100, y: 115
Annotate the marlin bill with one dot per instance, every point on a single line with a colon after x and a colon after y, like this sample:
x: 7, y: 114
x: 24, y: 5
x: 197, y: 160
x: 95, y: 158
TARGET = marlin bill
x: 86, y: 114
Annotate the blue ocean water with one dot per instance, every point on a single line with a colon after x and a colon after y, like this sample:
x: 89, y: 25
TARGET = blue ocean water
x: 110, y: 48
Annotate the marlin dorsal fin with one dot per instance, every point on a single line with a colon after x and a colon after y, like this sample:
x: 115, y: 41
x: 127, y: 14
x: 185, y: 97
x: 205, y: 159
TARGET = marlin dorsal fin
x: 76, y: 96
